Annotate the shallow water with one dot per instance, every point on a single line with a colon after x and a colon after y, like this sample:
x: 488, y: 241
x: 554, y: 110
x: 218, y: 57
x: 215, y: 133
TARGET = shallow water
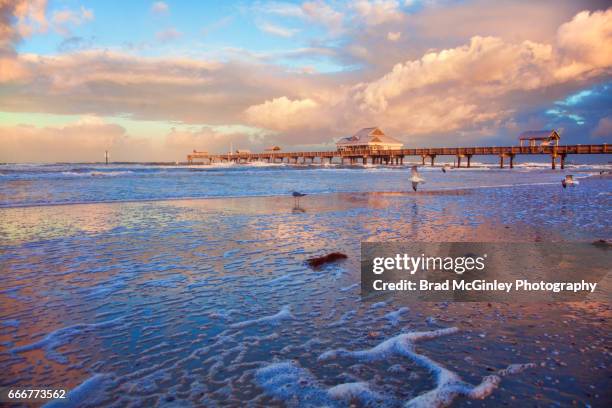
x: 209, y: 302
x: 22, y: 184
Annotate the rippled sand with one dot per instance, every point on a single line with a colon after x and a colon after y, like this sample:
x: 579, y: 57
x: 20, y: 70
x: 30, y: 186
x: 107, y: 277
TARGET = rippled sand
x: 209, y: 302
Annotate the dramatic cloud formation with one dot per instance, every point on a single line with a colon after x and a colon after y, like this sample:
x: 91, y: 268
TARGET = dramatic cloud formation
x: 405, y: 67
x: 585, y: 44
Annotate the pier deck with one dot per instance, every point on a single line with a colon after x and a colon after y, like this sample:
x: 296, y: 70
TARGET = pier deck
x: 397, y: 156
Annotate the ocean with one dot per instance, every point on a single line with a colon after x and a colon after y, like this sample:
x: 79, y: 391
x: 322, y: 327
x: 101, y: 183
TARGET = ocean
x: 43, y: 184
x: 141, y: 285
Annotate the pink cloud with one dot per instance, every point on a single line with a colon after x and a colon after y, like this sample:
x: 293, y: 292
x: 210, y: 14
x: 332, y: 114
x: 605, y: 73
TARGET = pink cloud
x: 283, y: 113
x: 472, y: 88
x: 604, y: 128
x: 159, y: 7
x: 170, y: 34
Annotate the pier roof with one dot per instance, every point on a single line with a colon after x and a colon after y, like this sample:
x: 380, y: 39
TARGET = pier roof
x: 372, y: 136
x: 539, y: 135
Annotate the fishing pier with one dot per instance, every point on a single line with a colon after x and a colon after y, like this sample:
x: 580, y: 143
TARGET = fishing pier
x: 557, y: 153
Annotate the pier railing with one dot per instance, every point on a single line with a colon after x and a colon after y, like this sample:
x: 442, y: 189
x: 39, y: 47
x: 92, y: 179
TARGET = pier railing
x: 396, y: 156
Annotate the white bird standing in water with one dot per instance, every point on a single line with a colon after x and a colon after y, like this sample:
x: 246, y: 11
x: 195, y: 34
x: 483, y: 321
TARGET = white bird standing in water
x: 569, y: 181
x: 415, y: 178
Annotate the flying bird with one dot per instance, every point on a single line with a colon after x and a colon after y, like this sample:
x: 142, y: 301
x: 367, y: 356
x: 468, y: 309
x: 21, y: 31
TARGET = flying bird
x: 415, y: 178
x: 569, y: 181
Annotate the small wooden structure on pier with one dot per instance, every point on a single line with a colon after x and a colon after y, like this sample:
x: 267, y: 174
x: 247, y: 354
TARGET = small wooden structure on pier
x: 544, y: 137
x: 368, y: 138
x: 355, y: 154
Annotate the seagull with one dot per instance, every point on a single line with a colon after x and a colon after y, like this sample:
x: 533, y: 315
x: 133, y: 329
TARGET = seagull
x: 415, y: 178
x: 445, y: 168
x: 296, y: 197
x: 569, y: 181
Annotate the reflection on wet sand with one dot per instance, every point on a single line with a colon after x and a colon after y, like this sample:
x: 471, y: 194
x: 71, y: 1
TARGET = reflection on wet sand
x: 186, y: 301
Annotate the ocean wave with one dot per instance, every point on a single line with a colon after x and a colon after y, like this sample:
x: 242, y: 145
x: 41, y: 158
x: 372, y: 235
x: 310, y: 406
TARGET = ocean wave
x: 97, y: 173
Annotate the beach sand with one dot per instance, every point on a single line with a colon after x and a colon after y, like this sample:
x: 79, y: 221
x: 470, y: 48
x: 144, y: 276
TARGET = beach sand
x: 209, y: 302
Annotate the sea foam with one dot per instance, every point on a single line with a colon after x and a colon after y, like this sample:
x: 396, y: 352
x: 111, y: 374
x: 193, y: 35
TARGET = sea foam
x: 52, y: 341
x: 283, y: 314
x: 448, y: 384
x: 87, y: 394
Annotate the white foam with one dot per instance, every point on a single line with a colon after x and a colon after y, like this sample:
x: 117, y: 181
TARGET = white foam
x: 448, y: 384
x: 295, y: 385
x: 97, y: 173
x: 355, y: 391
x: 88, y: 393
x: 350, y: 287
x: 288, y: 381
x: 62, y: 336
x: 343, y: 319
x: 515, y: 369
x: 378, y: 305
x: 283, y: 314
x: 400, y: 344
x: 394, y: 317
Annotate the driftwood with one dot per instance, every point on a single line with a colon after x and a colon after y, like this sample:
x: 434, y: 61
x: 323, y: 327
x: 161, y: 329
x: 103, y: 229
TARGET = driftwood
x: 318, y: 261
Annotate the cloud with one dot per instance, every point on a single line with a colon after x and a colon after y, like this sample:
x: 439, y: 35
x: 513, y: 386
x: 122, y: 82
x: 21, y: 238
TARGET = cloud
x: 63, y: 19
x: 18, y: 19
x: 421, y: 89
x: 486, y: 64
x: 222, y: 22
x: 278, y: 8
x: 87, y: 138
x: 376, y: 12
x: 30, y: 16
x: 394, y: 36
x: 319, y: 12
x: 585, y: 43
x: 168, y: 35
x: 159, y: 7
x: 75, y: 43
x: 604, y: 128
x: 177, y: 143
x: 283, y: 113
x: 84, y: 140
x: 277, y: 30
x: 176, y: 89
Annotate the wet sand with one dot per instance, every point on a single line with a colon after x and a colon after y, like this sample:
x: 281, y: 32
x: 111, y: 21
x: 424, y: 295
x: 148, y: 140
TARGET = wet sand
x: 209, y: 302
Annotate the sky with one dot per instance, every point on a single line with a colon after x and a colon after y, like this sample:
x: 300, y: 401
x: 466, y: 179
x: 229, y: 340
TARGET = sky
x: 154, y: 80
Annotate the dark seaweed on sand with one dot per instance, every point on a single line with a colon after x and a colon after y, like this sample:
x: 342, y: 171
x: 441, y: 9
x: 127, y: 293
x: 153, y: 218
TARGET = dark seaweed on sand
x: 319, y: 261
